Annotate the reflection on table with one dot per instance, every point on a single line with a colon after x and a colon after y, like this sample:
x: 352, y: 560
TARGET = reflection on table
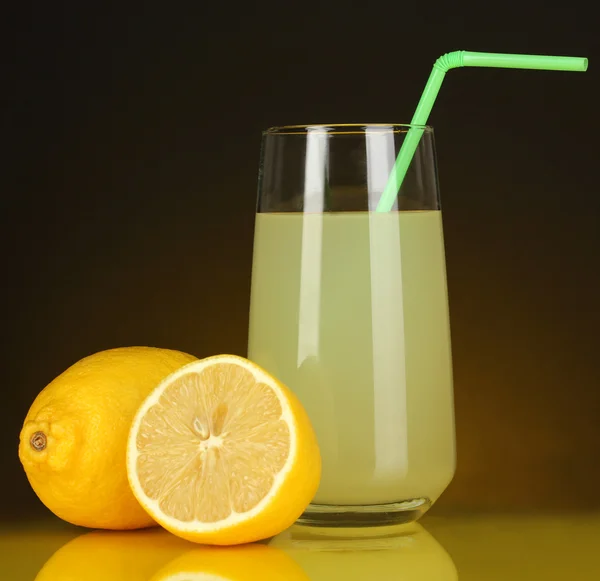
x: 476, y: 547
x: 299, y: 554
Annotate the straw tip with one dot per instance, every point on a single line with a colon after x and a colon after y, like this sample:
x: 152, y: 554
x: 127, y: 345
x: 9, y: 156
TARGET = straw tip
x: 584, y: 64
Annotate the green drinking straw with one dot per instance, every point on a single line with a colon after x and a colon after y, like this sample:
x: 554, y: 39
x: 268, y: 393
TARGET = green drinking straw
x: 449, y: 61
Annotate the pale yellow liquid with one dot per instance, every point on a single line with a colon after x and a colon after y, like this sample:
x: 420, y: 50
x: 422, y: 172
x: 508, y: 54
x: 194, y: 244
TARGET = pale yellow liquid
x: 350, y: 311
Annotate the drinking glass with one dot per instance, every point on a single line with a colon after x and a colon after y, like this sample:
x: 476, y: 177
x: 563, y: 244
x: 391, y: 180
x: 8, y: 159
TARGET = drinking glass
x: 349, y: 309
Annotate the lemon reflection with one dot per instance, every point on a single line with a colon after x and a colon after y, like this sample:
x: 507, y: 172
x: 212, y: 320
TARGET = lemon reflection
x: 255, y: 562
x: 407, y: 553
x: 112, y: 556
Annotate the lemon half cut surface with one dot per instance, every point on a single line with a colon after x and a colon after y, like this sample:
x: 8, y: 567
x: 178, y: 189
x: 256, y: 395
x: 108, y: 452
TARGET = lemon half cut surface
x: 223, y: 453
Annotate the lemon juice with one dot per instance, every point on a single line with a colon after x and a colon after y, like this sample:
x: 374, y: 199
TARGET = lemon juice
x: 350, y: 311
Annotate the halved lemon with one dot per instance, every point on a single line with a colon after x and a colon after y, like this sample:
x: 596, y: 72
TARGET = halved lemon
x: 223, y: 453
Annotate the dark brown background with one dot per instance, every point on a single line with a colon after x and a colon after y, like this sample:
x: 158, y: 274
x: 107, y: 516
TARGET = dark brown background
x: 131, y: 140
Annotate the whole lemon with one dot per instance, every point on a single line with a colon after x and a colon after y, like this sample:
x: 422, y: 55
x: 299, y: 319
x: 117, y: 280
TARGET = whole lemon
x: 74, y: 438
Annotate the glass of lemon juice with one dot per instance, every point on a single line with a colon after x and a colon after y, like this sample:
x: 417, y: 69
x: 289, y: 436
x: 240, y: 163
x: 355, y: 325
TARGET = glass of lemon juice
x: 349, y: 309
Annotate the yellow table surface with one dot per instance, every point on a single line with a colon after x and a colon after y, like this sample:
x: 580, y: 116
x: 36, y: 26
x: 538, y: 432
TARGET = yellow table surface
x: 481, y: 547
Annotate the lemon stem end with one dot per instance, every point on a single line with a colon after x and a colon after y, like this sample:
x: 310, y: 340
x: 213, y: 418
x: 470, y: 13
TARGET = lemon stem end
x: 38, y: 441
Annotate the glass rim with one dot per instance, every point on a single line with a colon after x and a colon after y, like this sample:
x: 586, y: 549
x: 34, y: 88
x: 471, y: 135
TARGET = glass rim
x: 345, y: 128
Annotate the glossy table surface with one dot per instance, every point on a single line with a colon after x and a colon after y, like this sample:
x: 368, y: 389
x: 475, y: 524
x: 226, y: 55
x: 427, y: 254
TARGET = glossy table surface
x: 482, y: 547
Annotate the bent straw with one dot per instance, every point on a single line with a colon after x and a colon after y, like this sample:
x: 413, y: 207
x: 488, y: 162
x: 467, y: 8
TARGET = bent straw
x: 454, y: 60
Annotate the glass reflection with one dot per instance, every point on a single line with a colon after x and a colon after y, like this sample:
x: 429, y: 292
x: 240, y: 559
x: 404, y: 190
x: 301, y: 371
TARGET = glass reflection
x: 406, y: 552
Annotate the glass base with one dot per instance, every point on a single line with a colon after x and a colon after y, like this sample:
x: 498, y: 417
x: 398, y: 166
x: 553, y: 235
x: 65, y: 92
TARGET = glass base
x: 368, y: 515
